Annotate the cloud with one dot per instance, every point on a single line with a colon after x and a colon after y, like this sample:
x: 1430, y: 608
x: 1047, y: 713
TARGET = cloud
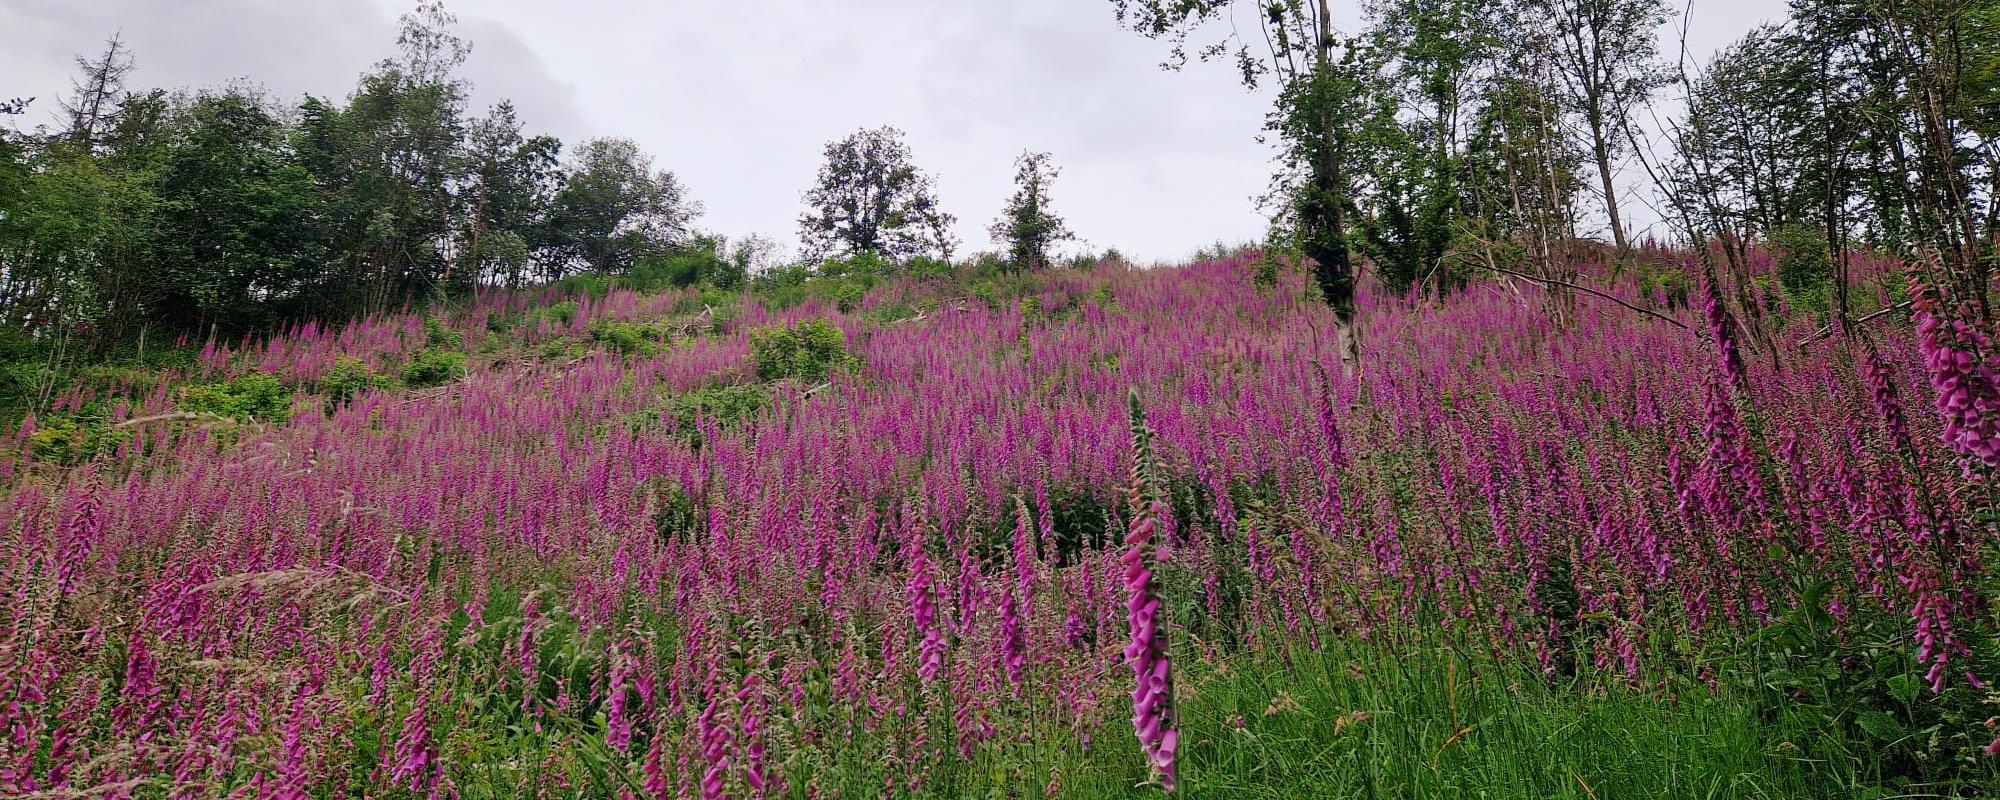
x: 291, y: 48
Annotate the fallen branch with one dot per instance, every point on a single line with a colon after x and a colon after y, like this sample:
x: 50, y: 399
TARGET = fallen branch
x: 1824, y: 332
x: 171, y: 415
x: 433, y: 395
x: 1587, y: 290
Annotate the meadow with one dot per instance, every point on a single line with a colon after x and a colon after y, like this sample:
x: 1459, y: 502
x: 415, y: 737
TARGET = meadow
x: 1072, y: 533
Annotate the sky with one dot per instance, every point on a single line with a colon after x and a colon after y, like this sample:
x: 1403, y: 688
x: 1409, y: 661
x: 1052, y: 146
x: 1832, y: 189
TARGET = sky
x: 739, y: 99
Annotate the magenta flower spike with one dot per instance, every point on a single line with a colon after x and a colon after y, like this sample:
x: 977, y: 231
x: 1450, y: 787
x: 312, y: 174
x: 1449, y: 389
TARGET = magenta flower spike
x: 1153, y: 716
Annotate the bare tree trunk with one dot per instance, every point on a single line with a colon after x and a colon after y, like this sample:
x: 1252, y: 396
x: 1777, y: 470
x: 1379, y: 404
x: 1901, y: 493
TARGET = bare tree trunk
x: 1601, y: 150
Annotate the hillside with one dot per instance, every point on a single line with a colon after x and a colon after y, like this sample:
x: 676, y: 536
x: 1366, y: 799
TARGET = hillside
x: 831, y: 541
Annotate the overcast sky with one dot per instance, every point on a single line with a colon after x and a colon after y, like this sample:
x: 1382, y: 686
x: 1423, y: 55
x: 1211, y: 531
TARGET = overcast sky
x: 738, y: 99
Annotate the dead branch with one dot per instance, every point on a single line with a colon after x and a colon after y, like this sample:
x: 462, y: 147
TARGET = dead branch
x: 1587, y: 290
x: 1824, y: 332
x: 171, y: 415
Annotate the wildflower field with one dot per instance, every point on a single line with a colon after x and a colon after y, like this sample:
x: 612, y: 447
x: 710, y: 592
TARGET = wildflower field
x: 1077, y: 533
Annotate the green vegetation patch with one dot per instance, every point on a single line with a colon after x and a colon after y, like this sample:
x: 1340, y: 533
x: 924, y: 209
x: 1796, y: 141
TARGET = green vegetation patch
x: 257, y: 397
x: 808, y: 351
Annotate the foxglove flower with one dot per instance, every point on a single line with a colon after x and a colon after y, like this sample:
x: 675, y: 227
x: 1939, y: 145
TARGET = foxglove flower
x: 1153, y: 716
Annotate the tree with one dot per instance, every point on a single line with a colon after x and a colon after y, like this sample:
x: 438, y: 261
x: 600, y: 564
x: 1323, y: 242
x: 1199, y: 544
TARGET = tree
x: 1328, y: 123
x: 870, y: 198
x: 1026, y: 227
x: 1606, y: 57
x: 390, y: 164
x: 229, y: 247
x: 613, y: 208
x: 514, y: 179
x: 1308, y: 62
x: 93, y: 101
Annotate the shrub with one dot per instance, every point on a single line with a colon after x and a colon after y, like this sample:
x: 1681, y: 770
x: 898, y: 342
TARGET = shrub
x: 1804, y: 267
x: 255, y: 397
x: 723, y: 302
x: 22, y: 381
x: 434, y: 367
x: 589, y: 284
x: 859, y: 265
x: 848, y: 296
x: 436, y: 335
x: 986, y: 265
x: 349, y: 377
x: 890, y: 313
x: 75, y: 439
x: 562, y: 313
x: 726, y: 404
x: 928, y: 268
x: 806, y: 351
x: 678, y: 270
x: 631, y: 338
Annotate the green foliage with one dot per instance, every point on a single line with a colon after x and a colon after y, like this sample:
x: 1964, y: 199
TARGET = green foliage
x: 75, y: 438
x: 726, y: 404
x: 696, y: 267
x: 806, y: 351
x: 22, y: 382
x: 433, y: 368
x: 1804, y: 265
x: 586, y: 284
x: 562, y: 313
x: 724, y: 303
x: 870, y: 198
x: 438, y: 336
x: 988, y: 265
x: 349, y: 377
x: 1850, y: 695
x: 631, y: 338
x: 843, y: 282
x: 1669, y: 285
x: 928, y: 268
x: 865, y: 265
x: 615, y: 209
x: 890, y: 313
x: 257, y: 397
x: 1026, y: 227
x: 847, y: 296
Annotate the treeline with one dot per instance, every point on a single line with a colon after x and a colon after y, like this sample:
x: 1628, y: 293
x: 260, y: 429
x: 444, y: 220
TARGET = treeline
x: 1442, y: 137
x: 220, y: 210
x: 197, y: 213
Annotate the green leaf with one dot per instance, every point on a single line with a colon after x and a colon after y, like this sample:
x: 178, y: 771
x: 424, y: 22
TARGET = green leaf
x: 1880, y: 725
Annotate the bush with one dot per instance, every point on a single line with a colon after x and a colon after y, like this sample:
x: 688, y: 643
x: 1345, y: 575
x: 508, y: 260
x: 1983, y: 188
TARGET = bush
x: 589, y: 284
x: 987, y: 265
x: 723, y: 302
x: 678, y: 271
x: 631, y: 338
x: 562, y: 313
x: 349, y: 377
x: 1804, y: 267
x: 725, y: 405
x: 437, y: 336
x: 848, y: 296
x: 22, y: 381
x: 74, y: 439
x: 928, y: 268
x: 859, y: 265
x: 806, y: 351
x: 256, y: 397
x: 434, y: 367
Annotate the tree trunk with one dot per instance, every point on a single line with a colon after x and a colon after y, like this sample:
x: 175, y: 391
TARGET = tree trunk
x: 1601, y: 151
